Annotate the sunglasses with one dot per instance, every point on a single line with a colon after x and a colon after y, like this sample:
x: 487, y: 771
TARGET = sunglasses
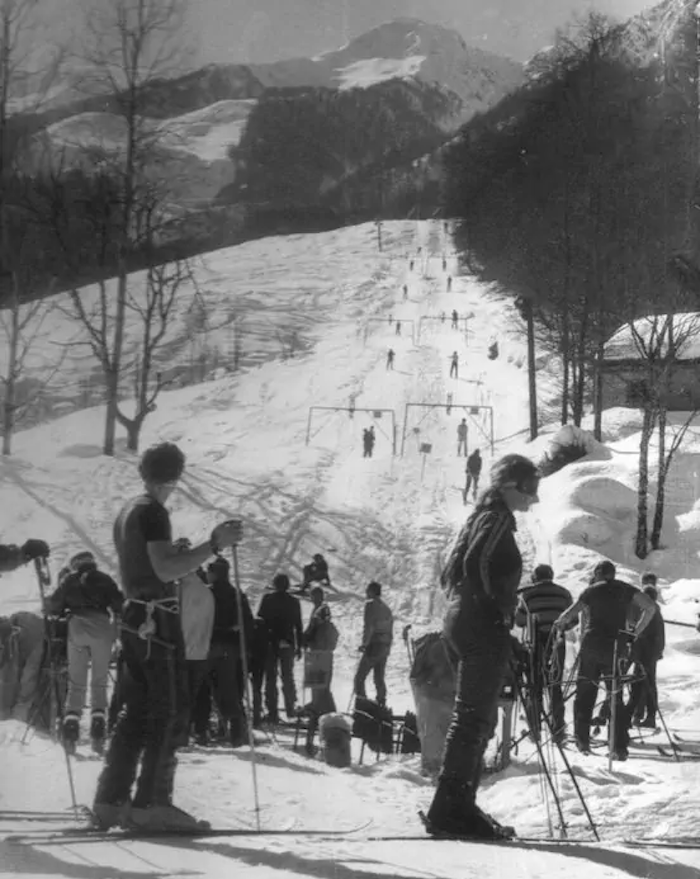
x: 528, y: 488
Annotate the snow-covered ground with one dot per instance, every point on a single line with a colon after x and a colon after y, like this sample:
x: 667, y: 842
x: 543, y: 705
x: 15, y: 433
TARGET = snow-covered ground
x: 388, y: 517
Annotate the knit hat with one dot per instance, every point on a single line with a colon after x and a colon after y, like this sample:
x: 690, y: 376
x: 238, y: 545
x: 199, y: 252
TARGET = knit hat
x: 82, y: 561
x: 219, y: 566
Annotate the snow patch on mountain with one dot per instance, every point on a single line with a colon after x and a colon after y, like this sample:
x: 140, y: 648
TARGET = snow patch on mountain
x: 367, y: 72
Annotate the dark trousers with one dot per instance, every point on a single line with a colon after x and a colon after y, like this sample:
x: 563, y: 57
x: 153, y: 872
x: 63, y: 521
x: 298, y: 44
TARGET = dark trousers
x: 201, y: 708
x: 472, y: 480
x: 546, y: 675
x: 281, y: 658
x: 196, y: 673
x: 225, y: 665
x: 596, y: 663
x: 453, y: 370
x: 461, y: 447
x: 644, y: 696
x: 483, y: 654
x: 154, y: 692
x: 374, y: 660
x: 257, y: 677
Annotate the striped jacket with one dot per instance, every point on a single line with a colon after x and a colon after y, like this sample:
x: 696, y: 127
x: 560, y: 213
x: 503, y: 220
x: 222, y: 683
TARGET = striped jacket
x: 545, y: 600
x: 485, y: 560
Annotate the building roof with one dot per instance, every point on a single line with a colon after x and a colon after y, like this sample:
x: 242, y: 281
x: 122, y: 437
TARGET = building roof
x: 632, y: 342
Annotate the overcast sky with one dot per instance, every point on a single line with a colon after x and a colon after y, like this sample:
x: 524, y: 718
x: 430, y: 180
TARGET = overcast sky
x: 265, y: 30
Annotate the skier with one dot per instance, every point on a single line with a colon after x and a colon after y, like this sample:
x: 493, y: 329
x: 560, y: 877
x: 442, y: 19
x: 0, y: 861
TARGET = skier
x: 474, y: 464
x: 410, y: 266
x: 454, y: 365
x: 371, y: 438
x: 443, y: 317
x: 366, y: 443
x: 405, y: 292
x: 390, y: 359
x: 449, y: 283
x: 604, y: 607
x: 493, y: 351
x: 377, y: 636
x: 398, y: 327
x: 320, y: 638
x: 225, y: 659
x: 462, y: 438
x: 481, y: 579
x: 92, y: 602
x: 444, y: 264
x: 455, y: 319
x: 281, y: 613
x: 151, y: 638
x: 12, y: 557
x: 316, y: 572
x: 539, y: 607
x: 647, y: 650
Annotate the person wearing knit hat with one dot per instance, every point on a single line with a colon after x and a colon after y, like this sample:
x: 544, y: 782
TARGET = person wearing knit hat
x: 605, y: 608
x: 91, y: 600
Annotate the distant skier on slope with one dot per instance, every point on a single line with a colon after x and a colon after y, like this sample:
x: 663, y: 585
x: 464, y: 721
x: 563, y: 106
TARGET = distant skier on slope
x: 462, y: 438
x: 390, y: 359
x: 449, y: 283
x: 13, y: 557
x: 474, y: 465
x: 148, y: 727
x: 398, y: 327
x: 455, y: 319
x: 316, y: 572
x: 368, y: 440
x: 282, y: 615
x: 454, y: 365
x: 405, y: 292
x: 604, y: 608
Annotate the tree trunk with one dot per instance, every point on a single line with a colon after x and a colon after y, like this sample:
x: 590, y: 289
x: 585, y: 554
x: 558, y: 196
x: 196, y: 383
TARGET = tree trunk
x: 112, y: 394
x: 579, y: 390
x: 566, y: 368
x: 598, y: 394
x: 641, y: 546
x: 663, y: 465
x: 531, y: 377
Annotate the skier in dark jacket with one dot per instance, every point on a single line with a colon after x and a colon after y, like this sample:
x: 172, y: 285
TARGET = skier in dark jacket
x: 281, y: 613
x: 92, y: 601
x: 316, y: 572
x: 377, y: 638
x: 605, y: 607
x: 539, y: 607
x: 481, y: 579
x: 647, y: 650
x: 225, y: 657
x: 13, y: 557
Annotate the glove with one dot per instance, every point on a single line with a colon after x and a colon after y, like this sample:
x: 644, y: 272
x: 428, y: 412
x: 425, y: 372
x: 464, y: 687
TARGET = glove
x: 226, y: 534
x: 35, y: 549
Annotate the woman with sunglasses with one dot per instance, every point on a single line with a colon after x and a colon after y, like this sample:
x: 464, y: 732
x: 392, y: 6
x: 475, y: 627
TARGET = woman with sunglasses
x: 481, y: 578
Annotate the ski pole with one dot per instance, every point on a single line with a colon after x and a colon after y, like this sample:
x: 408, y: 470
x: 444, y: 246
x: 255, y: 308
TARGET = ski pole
x: 677, y: 623
x: 246, y: 682
x: 43, y: 574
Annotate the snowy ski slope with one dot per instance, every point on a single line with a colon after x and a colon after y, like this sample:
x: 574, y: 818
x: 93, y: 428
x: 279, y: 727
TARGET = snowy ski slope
x: 389, y: 518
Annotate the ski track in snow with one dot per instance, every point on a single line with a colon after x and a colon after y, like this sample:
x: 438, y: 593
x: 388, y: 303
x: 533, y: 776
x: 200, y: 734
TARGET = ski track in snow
x: 386, y: 518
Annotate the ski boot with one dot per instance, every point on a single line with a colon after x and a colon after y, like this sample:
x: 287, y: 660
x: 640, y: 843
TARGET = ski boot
x: 164, y: 819
x: 70, y: 732
x: 97, y: 732
x: 104, y: 816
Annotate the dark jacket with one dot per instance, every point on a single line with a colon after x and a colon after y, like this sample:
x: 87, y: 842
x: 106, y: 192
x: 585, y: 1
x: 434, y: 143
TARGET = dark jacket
x: 652, y: 642
x: 11, y: 557
x: 320, y: 633
x: 606, y: 607
x: 545, y: 600
x: 474, y: 462
x: 485, y: 566
x: 85, y: 591
x: 226, y: 622
x: 316, y: 572
x: 282, y: 615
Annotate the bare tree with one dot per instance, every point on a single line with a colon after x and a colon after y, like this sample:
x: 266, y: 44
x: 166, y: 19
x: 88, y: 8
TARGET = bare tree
x: 130, y: 44
x: 660, y: 342
x: 25, y: 73
x: 155, y: 311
